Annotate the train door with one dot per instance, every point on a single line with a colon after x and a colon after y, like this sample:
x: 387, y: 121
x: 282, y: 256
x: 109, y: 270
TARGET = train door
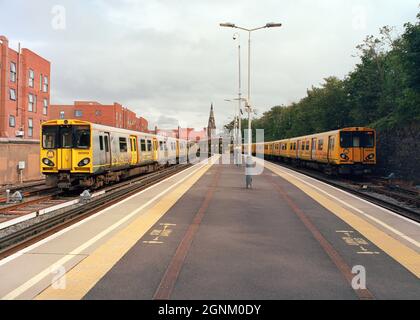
x: 155, y: 149
x: 66, y: 137
x: 313, y: 149
x: 298, y: 148
x: 330, y: 148
x: 134, y: 152
x: 107, y: 148
x: 357, y: 150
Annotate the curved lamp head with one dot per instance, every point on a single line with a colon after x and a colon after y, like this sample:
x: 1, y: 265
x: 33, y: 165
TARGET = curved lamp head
x: 227, y: 25
x: 273, y: 25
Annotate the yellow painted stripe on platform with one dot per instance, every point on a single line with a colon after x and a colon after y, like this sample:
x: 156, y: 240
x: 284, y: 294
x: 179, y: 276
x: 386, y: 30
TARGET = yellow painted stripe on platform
x: 406, y: 256
x: 87, y: 273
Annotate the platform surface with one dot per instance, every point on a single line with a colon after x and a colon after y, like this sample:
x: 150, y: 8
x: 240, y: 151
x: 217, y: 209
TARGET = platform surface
x: 289, y: 237
x: 222, y: 241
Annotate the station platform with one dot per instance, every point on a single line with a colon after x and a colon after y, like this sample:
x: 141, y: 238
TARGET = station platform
x: 202, y: 235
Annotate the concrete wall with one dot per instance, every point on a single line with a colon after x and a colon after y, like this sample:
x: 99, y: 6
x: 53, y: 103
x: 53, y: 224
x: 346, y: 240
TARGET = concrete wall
x: 11, y: 152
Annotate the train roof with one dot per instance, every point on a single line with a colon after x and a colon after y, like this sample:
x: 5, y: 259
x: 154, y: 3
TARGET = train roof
x: 323, y: 133
x: 104, y: 128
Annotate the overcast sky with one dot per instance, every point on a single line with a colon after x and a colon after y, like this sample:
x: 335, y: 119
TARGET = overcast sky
x: 168, y: 60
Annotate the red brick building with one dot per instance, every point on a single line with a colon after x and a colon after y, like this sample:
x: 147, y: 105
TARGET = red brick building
x: 24, y: 92
x: 189, y: 134
x: 114, y: 115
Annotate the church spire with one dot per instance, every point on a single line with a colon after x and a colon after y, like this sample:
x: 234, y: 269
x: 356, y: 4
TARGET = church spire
x: 212, y: 122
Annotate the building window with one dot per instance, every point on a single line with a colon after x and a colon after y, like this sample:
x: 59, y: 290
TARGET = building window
x: 31, y: 78
x: 45, y: 87
x: 98, y: 113
x: 30, y: 128
x: 12, y: 93
x: 45, y: 109
x: 40, y: 82
x: 62, y: 115
x: 78, y: 113
x: 12, y: 121
x: 31, y: 103
x: 12, y: 71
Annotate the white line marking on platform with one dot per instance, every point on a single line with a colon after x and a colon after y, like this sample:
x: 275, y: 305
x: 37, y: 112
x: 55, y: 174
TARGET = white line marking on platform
x: 31, y: 282
x: 55, y: 235
x: 397, y: 232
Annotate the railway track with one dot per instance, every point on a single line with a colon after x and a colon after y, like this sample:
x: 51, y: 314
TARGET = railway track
x: 368, y: 194
x: 113, y: 194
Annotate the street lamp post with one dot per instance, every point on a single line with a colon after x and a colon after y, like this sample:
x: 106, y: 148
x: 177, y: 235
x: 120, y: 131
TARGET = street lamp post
x: 248, y: 101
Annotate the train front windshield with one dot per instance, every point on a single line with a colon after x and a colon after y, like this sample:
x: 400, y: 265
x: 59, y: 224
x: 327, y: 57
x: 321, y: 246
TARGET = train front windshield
x: 359, y: 139
x: 66, y: 136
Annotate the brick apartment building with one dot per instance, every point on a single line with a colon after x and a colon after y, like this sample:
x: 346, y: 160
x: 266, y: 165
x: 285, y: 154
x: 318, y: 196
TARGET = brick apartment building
x: 24, y: 92
x: 114, y: 115
x: 24, y: 105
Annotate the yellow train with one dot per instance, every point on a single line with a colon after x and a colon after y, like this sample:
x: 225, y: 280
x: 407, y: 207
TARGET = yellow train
x: 79, y: 153
x: 345, y: 151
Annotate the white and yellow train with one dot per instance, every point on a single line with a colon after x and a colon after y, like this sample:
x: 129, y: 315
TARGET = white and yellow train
x: 79, y: 153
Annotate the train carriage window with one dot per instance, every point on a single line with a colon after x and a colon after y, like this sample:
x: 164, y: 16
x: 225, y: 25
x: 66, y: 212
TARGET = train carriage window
x: 123, y: 145
x: 101, y: 143
x: 161, y: 145
x: 143, y: 145
x: 307, y: 145
x: 149, y: 145
x: 321, y: 144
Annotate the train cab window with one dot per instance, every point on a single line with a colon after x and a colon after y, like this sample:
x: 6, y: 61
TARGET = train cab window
x: 321, y: 144
x: 101, y: 143
x: 346, y: 139
x: 49, y: 137
x: 82, y: 137
x: 123, y: 145
x: 66, y: 136
x: 143, y: 145
x: 149, y: 145
x: 367, y: 139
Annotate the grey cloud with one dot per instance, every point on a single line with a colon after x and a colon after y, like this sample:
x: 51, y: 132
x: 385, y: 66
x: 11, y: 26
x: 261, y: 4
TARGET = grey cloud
x: 168, y: 60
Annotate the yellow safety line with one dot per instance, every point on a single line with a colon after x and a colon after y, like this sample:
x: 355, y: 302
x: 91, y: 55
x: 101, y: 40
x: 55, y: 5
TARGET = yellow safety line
x: 87, y: 273
x: 406, y: 256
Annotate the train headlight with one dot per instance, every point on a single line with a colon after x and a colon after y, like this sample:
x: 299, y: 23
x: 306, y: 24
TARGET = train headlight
x: 371, y: 156
x: 84, y: 162
x: 48, y: 162
x: 344, y: 156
